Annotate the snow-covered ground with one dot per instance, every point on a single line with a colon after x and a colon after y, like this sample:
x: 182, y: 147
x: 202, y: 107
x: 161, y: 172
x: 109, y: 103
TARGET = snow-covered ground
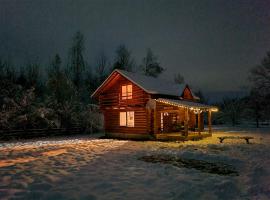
x: 88, y: 168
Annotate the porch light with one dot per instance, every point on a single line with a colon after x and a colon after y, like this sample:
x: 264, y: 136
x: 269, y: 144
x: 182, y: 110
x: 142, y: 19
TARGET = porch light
x: 197, y: 111
x: 214, y: 109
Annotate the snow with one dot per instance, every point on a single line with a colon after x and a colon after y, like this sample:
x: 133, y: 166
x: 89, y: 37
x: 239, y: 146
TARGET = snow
x: 150, y: 84
x: 89, y: 168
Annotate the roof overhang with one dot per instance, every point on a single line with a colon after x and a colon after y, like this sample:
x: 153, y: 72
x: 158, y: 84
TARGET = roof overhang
x: 113, y: 75
x: 188, y: 104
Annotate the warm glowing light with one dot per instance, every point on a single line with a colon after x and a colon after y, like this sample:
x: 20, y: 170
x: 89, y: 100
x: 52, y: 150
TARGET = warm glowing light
x: 123, y: 119
x: 214, y: 109
x: 126, y: 92
x: 127, y: 119
x: 196, y: 110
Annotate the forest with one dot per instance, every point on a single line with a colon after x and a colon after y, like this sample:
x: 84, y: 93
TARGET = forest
x: 58, y: 95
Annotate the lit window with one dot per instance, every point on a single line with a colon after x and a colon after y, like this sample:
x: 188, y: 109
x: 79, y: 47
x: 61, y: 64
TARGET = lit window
x: 123, y: 119
x: 127, y: 119
x: 126, y: 91
x: 130, y: 119
x: 161, y: 121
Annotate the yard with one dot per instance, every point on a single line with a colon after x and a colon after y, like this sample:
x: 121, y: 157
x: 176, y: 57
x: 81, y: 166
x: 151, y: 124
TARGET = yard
x: 90, y: 168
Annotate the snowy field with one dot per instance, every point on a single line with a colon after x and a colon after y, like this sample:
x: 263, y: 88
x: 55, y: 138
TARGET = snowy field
x: 88, y: 168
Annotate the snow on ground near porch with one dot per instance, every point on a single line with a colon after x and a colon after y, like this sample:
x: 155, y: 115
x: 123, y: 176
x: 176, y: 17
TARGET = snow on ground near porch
x: 87, y: 168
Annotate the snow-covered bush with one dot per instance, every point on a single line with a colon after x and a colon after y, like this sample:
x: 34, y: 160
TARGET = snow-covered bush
x: 91, y: 119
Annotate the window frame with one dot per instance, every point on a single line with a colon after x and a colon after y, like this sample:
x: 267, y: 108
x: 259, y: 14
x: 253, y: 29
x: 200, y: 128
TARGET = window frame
x: 128, y: 117
x: 126, y: 91
x: 123, y: 122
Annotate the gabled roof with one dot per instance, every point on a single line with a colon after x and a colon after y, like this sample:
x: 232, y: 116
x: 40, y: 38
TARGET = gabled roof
x: 154, y: 85
x: 149, y: 84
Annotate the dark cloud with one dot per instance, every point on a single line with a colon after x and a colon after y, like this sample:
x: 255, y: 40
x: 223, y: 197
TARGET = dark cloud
x: 212, y: 43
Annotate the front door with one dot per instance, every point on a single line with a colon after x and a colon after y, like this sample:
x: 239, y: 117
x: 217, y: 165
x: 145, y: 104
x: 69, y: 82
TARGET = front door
x: 166, y: 123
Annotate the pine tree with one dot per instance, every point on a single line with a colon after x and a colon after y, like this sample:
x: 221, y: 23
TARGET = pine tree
x: 76, y: 59
x: 123, y: 59
x: 150, y: 65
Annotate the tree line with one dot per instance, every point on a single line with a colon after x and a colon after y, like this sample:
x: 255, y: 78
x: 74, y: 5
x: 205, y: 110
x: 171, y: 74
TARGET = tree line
x: 253, y: 108
x: 61, y: 98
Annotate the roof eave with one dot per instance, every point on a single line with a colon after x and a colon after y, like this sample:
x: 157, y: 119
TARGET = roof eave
x: 200, y: 107
x: 94, y: 93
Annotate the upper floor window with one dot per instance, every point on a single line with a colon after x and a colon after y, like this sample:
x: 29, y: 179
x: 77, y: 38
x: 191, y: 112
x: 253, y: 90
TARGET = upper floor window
x: 126, y: 91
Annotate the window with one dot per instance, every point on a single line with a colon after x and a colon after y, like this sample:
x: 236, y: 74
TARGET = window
x: 127, y: 119
x: 126, y: 91
x: 123, y: 119
x: 130, y: 119
x: 161, y: 121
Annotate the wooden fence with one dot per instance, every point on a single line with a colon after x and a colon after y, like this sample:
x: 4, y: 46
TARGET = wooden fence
x: 37, y: 133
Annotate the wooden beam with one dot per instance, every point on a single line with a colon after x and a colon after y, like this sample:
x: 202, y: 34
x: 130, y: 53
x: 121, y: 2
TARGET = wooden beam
x: 186, y: 122
x: 210, y: 121
x: 199, y: 123
x: 179, y: 114
x: 155, y: 121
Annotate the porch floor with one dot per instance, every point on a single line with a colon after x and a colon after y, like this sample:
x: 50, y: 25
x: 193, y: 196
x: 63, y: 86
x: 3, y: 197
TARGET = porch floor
x: 178, y: 136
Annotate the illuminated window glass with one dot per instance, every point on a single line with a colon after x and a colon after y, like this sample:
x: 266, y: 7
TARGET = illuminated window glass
x: 129, y: 91
x: 123, y: 118
x: 126, y: 91
x: 127, y: 119
x: 130, y: 119
x: 161, y: 121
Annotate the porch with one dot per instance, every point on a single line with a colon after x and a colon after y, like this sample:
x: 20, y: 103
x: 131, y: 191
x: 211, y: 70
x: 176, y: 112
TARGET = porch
x: 181, y: 120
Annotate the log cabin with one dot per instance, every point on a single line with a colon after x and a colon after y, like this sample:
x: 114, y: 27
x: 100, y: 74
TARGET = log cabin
x: 136, y: 106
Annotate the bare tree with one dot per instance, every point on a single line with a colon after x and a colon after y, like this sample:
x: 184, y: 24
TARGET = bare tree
x: 255, y: 105
x: 59, y: 86
x: 76, y: 58
x: 260, y: 92
x: 200, y: 94
x: 32, y: 74
x: 102, y: 64
x: 231, y: 110
x: 260, y: 76
x: 179, y: 79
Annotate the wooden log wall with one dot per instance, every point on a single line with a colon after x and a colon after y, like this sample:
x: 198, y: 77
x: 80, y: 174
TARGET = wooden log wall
x: 187, y: 94
x: 111, y: 104
x: 112, y: 121
x: 112, y: 96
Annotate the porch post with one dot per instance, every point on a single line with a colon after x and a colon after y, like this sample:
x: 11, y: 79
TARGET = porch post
x: 186, y: 122
x: 155, y: 121
x: 210, y: 121
x: 179, y: 114
x: 199, y: 123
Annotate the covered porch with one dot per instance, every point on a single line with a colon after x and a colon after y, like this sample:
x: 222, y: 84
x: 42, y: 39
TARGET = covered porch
x: 181, y: 120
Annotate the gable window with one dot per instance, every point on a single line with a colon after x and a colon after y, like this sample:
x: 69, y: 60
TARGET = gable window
x: 127, y: 91
x: 127, y: 119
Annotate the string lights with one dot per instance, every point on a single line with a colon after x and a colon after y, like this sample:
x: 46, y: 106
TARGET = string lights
x: 196, y: 108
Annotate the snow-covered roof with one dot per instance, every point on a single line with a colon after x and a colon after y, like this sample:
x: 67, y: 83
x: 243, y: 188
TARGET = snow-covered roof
x: 187, y: 104
x: 153, y: 85
x: 150, y: 84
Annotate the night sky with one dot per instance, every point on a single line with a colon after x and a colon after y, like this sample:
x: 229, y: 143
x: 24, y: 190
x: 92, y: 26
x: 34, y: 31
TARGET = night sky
x: 212, y: 43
